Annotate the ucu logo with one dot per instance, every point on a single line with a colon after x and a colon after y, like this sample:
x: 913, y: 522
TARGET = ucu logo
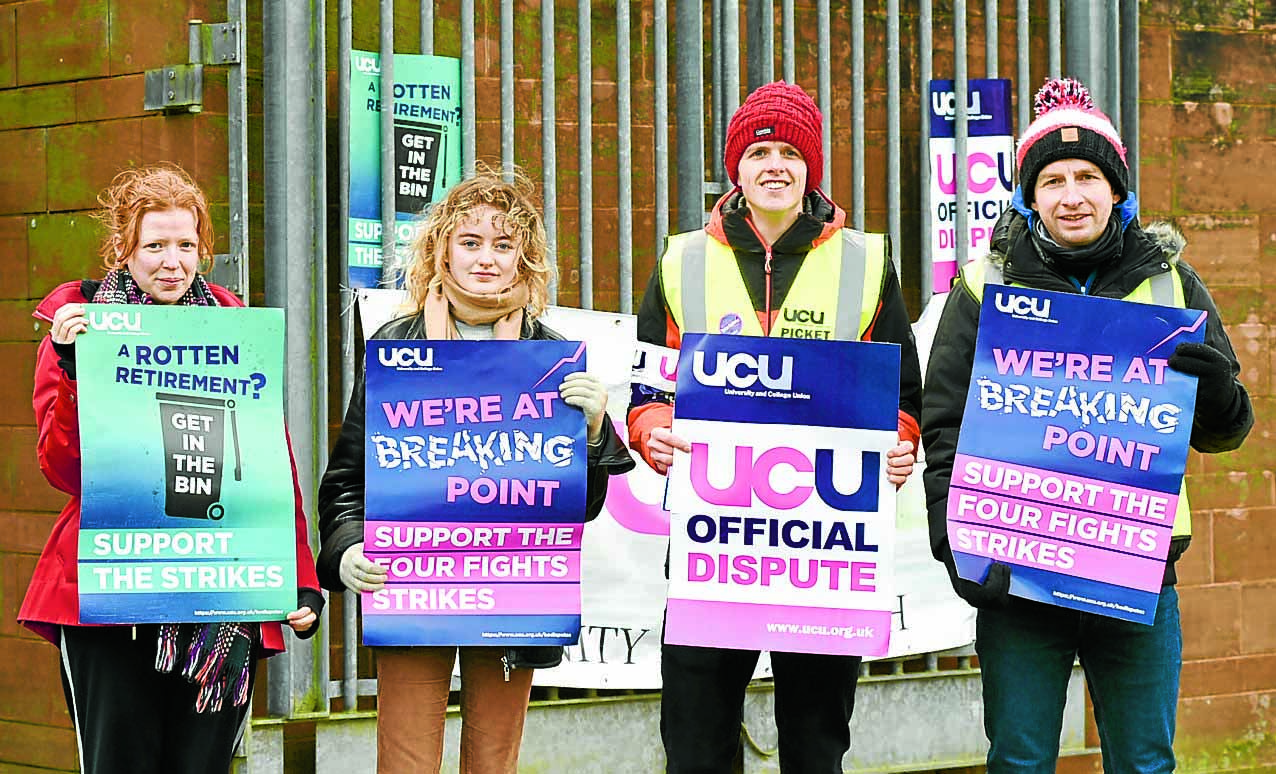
x: 665, y: 365
x: 406, y: 357
x: 944, y: 103
x: 366, y: 64
x: 984, y: 172
x: 752, y: 478
x: 804, y: 316
x: 742, y: 370
x: 1023, y: 305
x: 115, y: 321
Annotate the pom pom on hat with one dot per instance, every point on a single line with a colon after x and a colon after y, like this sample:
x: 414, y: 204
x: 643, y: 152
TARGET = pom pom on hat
x: 1068, y: 126
x: 778, y: 111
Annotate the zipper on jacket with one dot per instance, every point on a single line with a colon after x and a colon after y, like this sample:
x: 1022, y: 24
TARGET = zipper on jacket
x: 766, y: 267
x: 505, y: 662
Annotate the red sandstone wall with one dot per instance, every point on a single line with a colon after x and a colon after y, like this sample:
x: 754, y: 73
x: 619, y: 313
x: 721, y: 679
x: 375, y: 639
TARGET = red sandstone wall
x: 71, y: 114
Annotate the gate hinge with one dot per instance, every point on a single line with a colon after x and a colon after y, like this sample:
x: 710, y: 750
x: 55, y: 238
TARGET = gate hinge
x: 180, y: 87
x: 231, y: 272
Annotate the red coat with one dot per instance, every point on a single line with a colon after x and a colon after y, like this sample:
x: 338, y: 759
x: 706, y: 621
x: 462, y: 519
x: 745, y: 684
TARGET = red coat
x: 52, y: 599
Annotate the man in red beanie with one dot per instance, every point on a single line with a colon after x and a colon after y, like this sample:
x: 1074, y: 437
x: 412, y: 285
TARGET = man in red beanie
x: 774, y: 260
x: 1074, y: 228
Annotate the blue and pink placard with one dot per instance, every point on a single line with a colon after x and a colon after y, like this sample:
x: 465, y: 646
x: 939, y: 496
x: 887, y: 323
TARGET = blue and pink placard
x: 990, y: 170
x: 1072, y: 449
x: 475, y: 500
x: 782, y: 520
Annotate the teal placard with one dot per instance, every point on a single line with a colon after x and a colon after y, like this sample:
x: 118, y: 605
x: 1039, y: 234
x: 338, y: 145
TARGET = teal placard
x: 427, y: 150
x: 188, y: 508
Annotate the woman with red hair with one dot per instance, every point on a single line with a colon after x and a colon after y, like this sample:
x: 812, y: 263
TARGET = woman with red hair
x: 132, y: 710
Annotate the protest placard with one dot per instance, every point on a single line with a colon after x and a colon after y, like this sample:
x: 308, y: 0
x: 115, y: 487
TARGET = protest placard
x: 188, y: 508
x: 1072, y: 449
x: 782, y: 520
x: 475, y: 493
x: 990, y: 170
x: 623, y: 586
x: 427, y: 150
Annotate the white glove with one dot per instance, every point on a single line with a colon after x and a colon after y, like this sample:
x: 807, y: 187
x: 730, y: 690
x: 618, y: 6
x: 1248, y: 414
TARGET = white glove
x: 586, y: 393
x: 358, y: 572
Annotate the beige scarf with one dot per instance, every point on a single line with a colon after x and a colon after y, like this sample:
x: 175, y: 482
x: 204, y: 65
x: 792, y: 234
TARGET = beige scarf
x: 450, y: 302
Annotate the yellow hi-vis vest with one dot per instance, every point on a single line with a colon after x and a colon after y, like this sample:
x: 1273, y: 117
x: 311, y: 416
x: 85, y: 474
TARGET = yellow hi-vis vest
x: 1164, y: 289
x: 834, y: 295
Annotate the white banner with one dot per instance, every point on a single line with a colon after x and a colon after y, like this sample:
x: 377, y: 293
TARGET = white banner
x: 625, y: 549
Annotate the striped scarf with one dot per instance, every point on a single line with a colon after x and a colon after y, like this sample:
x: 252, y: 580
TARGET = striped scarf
x: 214, y: 655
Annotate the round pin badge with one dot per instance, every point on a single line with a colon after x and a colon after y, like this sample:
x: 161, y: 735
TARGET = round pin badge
x: 730, y: 323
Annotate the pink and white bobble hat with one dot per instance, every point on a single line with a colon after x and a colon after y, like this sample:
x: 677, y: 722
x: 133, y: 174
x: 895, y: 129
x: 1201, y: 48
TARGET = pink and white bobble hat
x: 1068, y: 126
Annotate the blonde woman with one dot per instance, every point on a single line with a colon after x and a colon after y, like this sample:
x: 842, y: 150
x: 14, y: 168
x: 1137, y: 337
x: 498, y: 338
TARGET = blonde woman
x: 480, y: 269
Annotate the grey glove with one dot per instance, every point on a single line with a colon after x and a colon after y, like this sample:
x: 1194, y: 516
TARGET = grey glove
x: 358, y: 572
x: 586, y: 393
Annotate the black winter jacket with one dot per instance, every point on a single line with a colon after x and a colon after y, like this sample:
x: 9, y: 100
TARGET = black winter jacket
x: 1145, y: 253
x: 341, y: 491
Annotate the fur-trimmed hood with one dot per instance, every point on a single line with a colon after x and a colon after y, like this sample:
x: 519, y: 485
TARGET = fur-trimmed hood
x: 1169, y: 239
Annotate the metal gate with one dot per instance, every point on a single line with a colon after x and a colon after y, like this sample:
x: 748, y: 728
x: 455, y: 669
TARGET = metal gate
x: 720, y: 51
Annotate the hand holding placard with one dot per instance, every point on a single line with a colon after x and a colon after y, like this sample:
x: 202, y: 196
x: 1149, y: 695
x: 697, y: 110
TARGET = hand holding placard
x: 358, y: 572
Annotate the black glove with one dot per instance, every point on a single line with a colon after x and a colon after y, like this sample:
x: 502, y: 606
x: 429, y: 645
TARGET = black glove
x: 66, y: 358
x: 992, y: 594
x: 314, y: 600
x: 1216, y: 382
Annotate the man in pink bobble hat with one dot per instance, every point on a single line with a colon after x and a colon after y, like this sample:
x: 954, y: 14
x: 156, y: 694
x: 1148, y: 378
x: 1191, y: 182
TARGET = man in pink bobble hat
x: 1074, y: 228
x: 768, y: 263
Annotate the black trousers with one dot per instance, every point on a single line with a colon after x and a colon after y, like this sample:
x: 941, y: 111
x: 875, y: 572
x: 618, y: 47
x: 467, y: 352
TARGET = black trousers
x: 702, y: 706
x: 130, y: 719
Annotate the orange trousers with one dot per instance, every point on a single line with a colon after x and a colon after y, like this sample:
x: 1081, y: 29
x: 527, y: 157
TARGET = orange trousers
x: 412, y: 695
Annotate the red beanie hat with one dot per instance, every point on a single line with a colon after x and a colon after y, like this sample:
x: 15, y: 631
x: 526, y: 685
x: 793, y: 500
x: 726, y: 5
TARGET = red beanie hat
x: 782, y: 112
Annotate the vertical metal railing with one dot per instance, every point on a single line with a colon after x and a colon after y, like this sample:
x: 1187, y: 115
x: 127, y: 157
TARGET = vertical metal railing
x: 1106, y: 42
x: 585, y: 149
x: 1054, y: 45
x: 237, y: 138
x: 893, y: 199
x: 349, y: 600
x: 761, y: 38
x: 425, y: 25
x: 469, y: 126
x: 624, y: 161
x: 730, y: 67
x: 858, y: 179
x: 788, y: 53
x: 549, y: 139
x: 660, y: 117
x: 990, y: 38
x: 1023, y: 77
x: 689, y: 78
x: 824, y: 86
x: 925, y: 71
x: 962, y: 128
x: 389, y: 233
x: 507, y: 89
x: 295, y: 196
x: 1129, y: 63
x: 717, y: 126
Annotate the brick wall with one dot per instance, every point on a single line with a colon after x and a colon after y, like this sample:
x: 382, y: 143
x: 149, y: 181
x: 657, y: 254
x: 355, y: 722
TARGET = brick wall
x: 1209, y: 134
x: 71, y: 114
x: 70, y: 117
